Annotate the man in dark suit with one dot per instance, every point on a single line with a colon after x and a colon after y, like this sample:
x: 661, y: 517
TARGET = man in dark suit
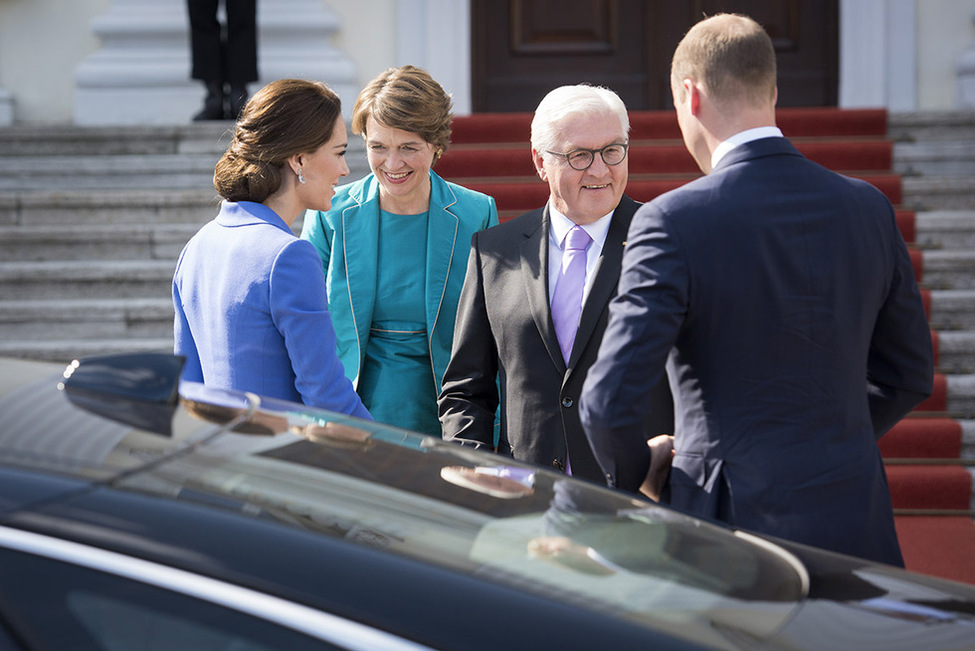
x: 505, y: 336
x: 781, y: 298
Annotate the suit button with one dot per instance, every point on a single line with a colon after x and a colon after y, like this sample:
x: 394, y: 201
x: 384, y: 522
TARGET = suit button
x: 567, y: 402
x: 557, y: 463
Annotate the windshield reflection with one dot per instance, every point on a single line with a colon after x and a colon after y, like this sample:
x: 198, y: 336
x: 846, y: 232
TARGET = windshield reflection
x: 482, y: 514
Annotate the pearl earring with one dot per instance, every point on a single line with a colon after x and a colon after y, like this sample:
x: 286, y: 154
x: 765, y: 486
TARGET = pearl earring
x: 301, y: 178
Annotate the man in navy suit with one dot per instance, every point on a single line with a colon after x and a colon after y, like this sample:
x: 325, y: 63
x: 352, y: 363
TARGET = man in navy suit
x: 781, y: 299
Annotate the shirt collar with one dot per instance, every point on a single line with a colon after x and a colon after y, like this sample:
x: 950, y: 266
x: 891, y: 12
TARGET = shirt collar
x: 741, y: 138
x: 560, y: 225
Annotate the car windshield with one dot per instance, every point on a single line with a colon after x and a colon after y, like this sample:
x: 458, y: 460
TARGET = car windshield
x: 473, y: 512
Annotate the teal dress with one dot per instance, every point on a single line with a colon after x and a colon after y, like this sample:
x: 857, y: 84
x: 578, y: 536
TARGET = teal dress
x: 397, y: 383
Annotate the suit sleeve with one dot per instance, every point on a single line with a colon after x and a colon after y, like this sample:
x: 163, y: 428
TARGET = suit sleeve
x: 492, y: 212
x: 469, y: 399
x: 900, y: 365
x: 645, y: 319
x: 299, y: 310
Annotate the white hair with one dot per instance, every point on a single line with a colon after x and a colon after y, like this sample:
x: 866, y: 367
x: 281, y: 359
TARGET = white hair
x: 581, y: 100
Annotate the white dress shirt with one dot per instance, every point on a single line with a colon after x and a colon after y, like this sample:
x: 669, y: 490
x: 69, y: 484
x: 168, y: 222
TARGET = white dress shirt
x: 741, y: 138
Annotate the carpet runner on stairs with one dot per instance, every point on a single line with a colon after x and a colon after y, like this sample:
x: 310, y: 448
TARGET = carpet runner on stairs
x: 929, y: 483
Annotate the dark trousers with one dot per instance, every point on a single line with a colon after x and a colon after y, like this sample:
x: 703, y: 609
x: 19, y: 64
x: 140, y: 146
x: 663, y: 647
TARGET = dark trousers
x: 220, y: 56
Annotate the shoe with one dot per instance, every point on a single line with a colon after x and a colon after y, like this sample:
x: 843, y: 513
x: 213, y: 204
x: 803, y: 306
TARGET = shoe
x: 237, y: 101
x: 213, y: 105
x: 212, y: 110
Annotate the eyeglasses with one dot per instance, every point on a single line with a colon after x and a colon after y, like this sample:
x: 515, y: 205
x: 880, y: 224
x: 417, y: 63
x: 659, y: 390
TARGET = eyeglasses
x: 581, y: 159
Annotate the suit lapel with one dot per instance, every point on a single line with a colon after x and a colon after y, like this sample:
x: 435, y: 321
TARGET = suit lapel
x: 534, y: 267
x: 442, y: 229
x: 606, y: 276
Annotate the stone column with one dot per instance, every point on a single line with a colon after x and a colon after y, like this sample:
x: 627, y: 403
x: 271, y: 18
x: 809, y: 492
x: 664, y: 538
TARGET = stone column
x: 141, y: 75
x: 965, y: 77
x: 6, y: 108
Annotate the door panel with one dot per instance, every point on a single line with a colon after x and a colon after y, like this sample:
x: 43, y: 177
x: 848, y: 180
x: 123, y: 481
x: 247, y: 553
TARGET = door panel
x: 524, y: 48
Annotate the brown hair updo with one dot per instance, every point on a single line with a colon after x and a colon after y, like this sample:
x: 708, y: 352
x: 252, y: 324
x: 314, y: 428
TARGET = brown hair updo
x: 409, y: 99
x: 286, y: 117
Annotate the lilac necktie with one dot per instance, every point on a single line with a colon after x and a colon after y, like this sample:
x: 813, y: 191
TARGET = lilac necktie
x: 567, y: 299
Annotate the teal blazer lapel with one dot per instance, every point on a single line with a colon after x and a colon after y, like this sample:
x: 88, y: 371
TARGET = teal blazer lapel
x: 442, y: 227
x: 360, y: 227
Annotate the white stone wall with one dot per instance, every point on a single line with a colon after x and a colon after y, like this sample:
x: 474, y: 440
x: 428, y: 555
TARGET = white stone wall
x: 43, y: 43
x: 946, y: 30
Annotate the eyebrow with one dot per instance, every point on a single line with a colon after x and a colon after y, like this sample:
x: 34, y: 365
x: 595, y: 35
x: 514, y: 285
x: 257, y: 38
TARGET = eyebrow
x: 414, y: 143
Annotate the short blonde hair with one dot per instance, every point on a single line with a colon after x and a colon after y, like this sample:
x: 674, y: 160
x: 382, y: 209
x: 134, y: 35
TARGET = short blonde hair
x: 406, y: 98
x: 731, y: 55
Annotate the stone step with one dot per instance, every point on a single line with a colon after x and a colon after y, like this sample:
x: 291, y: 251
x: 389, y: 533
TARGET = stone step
x: 948, y: 269
x: 952, y: 310
x: 107, y: 318
x: 69, y: 140
x: 961, y: 396
x: 94, y: 242
x: 945, y: 229
x: 119, y: 206
x: 65, y: 350
x: 923, y: 193
x: 939, y: 126
x: 148, y: 171
x: 951, y: 158
x: 956, y: 352
x: 79, y: 279
x: 114, y: 317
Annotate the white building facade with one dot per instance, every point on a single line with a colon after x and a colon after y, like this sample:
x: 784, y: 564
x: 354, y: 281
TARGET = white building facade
x: 127, y: 61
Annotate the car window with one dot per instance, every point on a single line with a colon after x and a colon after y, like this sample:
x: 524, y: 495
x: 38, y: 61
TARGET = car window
x: 57, y: 605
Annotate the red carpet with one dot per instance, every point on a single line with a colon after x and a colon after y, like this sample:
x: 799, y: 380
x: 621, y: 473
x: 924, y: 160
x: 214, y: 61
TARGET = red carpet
x: 923, y: 438
x: 933, y: 487
x: 939, y: 397
x: 939, y: 546
x: 930, y: 487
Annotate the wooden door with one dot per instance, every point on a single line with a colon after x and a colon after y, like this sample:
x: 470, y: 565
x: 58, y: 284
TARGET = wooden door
x: 521, y: 49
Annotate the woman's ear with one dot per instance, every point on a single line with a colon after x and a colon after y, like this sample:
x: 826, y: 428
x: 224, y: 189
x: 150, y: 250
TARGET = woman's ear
x: 295, y: 162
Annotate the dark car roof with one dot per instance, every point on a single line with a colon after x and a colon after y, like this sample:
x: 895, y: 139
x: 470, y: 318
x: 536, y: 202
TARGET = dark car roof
x: 414, y: 535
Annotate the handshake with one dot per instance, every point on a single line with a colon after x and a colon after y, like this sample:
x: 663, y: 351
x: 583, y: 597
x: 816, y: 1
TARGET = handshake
x: 661, y: 455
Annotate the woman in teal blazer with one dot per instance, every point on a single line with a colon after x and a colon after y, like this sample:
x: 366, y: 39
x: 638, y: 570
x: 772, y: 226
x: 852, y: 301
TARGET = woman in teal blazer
x: 394, y: 248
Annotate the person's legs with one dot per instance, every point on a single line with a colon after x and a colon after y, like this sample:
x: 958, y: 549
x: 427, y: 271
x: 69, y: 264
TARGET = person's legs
x: 241, y: 50
x: 206, y: 50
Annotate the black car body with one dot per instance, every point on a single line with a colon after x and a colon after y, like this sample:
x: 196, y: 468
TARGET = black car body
x: 137, y: 516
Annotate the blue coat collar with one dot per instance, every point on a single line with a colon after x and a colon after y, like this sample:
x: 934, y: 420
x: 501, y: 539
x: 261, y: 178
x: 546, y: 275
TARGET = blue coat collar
x: 248, y: 213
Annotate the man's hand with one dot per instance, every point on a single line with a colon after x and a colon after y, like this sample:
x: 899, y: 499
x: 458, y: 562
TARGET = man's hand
x: 662, y: 452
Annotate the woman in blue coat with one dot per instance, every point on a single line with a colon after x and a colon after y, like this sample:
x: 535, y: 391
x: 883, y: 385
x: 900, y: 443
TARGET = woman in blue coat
x: 249, y: 295
x: 394, y: 249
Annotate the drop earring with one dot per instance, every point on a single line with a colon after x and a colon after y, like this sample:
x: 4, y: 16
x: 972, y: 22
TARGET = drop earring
x: 301, y: 178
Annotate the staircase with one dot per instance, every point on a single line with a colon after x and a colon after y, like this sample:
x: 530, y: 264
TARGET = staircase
x: 930, y: 455
x: 92, y: 220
